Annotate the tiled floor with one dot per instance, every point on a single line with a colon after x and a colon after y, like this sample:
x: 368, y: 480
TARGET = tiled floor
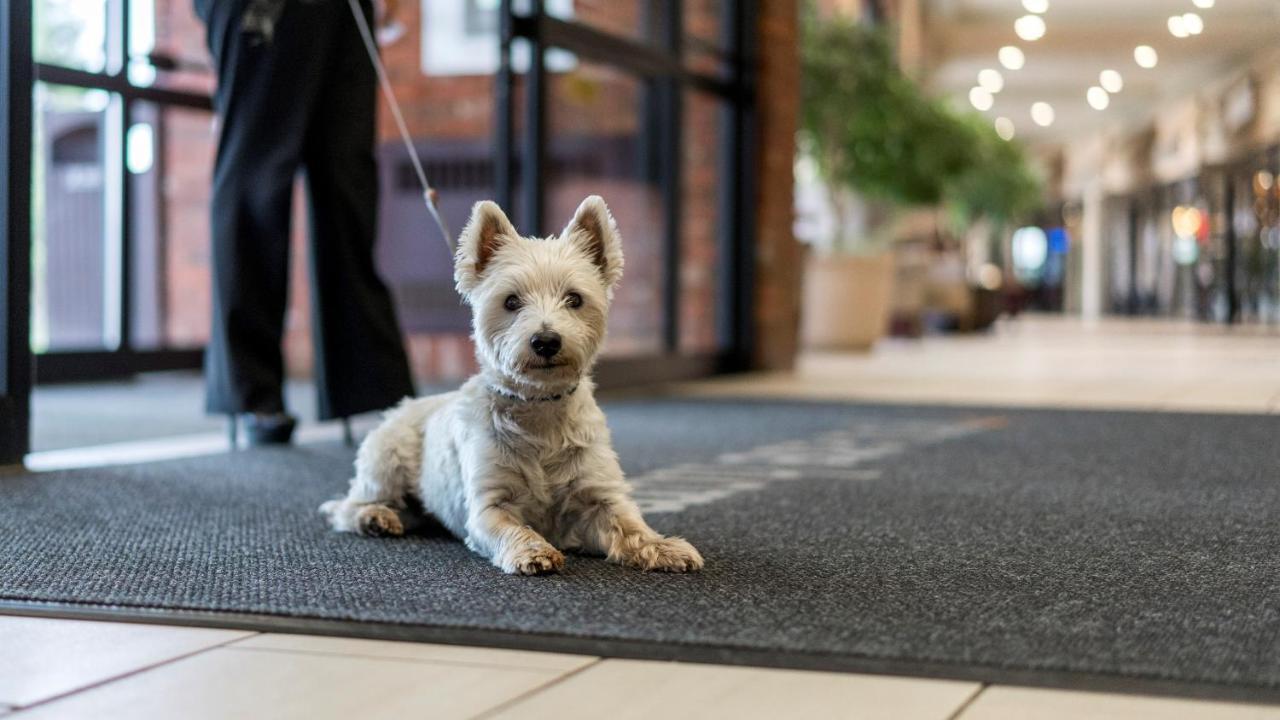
x: 1039, y: 361
x: 72, y: 669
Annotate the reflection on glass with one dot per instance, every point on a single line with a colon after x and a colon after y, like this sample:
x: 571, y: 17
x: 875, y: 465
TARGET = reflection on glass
x: 704, y: 50
x: 167, y: 46
x: 73, y: 276
x: 169, y: 154
x: 631, y: 20
x: 71, y: 33
x: 597, y: 145
x: 701, y: 225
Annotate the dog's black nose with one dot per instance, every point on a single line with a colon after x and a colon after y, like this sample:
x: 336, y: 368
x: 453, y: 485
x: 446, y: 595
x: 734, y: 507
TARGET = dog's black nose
x: 546, y: 344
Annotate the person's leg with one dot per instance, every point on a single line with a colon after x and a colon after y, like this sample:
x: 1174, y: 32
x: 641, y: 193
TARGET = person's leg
x: 266, y: 88
x: 360, y: 361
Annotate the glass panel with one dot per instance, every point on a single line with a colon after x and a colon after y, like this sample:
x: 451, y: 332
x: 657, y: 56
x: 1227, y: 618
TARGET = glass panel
x: 1258, y: 238
x: 597, y: 144
x: 73, y: 256
x: 1212, y: 269
x: 442, y: 70
x: 167, y: 46
x: 703, y: 47
x: 629, y: 18
x: 169, y: 155
x: 701, y: 226
x: 71, y: 33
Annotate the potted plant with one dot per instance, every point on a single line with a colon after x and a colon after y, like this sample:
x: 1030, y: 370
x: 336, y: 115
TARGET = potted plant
x: 998, y: 191
x: 879, y: 146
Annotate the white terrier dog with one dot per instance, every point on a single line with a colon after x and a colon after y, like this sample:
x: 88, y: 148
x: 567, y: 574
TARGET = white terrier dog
x: 518, y: 461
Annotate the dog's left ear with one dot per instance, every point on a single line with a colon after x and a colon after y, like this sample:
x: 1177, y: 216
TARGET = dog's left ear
x: 592, y: 229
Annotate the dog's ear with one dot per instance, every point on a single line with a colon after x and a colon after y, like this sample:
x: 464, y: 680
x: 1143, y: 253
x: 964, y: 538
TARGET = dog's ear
x: 592, y: 229
x: 485, y: 232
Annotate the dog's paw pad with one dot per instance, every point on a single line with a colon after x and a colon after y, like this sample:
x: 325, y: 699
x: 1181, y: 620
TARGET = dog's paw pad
x: 378, y: 521
x: 674, y: 555
x: 538, y: 561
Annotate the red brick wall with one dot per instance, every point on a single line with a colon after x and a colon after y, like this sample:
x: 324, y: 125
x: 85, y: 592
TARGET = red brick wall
x: 778, y: 254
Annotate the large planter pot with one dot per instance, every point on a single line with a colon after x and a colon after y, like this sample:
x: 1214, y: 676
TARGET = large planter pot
x: 846, y: 301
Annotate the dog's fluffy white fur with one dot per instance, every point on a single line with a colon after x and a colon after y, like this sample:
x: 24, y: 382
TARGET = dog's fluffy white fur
x: 518, y: 463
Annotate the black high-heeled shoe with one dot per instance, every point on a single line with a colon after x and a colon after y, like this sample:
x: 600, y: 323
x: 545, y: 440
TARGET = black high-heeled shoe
x: 264, y: 428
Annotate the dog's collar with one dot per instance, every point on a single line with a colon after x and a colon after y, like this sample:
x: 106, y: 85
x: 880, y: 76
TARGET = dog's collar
x: 537, y: 398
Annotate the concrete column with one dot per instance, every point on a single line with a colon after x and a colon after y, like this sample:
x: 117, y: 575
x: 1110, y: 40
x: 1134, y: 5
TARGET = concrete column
x: 1091, y: 250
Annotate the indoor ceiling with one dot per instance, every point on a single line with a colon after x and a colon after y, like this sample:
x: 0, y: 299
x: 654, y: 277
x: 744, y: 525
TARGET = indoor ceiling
x: 1081, y: 39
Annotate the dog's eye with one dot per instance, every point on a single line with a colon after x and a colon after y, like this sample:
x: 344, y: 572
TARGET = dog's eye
x: 512, y: 303
x: 573, y: 300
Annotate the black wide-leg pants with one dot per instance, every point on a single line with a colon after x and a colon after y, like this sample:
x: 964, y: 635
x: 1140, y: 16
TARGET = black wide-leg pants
x: 298, y: 97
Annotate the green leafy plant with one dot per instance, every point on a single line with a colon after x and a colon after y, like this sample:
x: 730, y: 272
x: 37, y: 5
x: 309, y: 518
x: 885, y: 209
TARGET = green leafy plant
x: 875, y: 135
x: 1000, y: 186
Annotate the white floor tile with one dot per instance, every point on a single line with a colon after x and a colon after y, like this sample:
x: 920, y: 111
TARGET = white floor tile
x: 44, y: 657
x: 1042, y: 362
x: 449, y: 654
x: 640, y: 689
x: 1012, y: 703
x: 230, y: 683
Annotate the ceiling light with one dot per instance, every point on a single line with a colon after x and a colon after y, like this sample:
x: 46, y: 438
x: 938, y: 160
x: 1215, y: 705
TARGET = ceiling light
x: 1193, y: 24
x: 1042, y: 114
x: 1145, y: 56
x: 1012, y: 58
x: 1004, y: 128
x: 1031, y: 27
x: 981, y: 99
x: 1111, y: 81
x: 991, y: 80
x: 1098, y: 98
x: 1036, y: 6
x: 1178, y: 27
x: 1203, y: 4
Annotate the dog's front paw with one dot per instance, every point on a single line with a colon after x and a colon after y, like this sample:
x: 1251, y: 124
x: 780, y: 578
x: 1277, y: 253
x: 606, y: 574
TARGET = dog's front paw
x: 378, y: 521
x: 670, y: 554
x: 534, y: 559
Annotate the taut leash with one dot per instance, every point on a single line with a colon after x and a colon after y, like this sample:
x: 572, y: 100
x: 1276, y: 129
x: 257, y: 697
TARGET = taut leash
x: 428, y: 193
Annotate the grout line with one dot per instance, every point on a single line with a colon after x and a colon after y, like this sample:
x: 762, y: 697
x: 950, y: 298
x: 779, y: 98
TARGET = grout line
x: 964, y: 706
x: 394, y: 658
x: 534, y: 691
x: 131, y: 673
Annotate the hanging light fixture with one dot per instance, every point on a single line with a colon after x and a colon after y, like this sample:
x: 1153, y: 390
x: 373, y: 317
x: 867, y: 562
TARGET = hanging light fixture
x: 1011, y: 57
x: 1030, y: 27
x: 991, y: 80
x: 1145, y: 56
x: 1042, y: 114
x: 1111, y: 81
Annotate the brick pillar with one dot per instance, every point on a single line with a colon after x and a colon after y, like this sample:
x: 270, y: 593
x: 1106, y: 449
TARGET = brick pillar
x: 778, y: 258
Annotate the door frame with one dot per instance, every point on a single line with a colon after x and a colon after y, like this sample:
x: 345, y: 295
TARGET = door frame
x: 15, y: 229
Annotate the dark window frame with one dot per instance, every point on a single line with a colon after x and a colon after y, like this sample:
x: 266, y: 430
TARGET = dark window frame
x: 71, y: 364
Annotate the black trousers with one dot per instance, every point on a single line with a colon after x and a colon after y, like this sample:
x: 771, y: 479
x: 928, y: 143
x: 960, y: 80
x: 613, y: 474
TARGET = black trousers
x: 299, y: 97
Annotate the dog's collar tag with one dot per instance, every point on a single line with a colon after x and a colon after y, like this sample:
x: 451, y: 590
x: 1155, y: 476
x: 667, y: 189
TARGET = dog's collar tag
x: 541, y: 398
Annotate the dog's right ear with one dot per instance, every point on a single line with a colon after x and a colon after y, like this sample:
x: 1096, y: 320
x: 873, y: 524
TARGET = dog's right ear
x: 485, y: 232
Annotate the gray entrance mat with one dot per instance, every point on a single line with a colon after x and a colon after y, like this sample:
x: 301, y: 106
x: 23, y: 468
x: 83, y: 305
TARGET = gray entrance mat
x: 1082, y: 549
